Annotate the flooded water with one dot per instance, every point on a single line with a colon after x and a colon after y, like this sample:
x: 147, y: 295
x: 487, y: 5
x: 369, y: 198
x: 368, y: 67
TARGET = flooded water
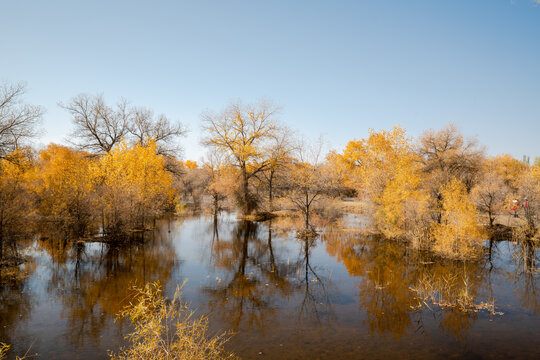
x: 341, y: 296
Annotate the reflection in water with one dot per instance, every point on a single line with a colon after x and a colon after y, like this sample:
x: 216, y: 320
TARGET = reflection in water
x: 526, y: 275
x: 316, y: 301
x: 252, y: 274
x: 15, y: 304
x: 396, y: 284
x: 257, y: 276
x: 338, y: 295
x: 93, y: 279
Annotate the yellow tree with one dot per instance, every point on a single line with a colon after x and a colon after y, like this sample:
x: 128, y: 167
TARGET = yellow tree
x: 371, y: 162
x: 64, y: 187
x: 385, y: 170
x: 507, y: 168
x: 134, y: 185
x: 15, y: 202
x: 243, y: 132
x: 458, y: 234
x: 403, y: 205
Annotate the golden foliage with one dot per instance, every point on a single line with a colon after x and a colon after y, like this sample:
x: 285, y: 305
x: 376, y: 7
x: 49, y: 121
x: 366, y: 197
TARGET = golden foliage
x: 370, y: 162
x: 64, y: 185
x: 15, y: 200
x: 166, y: 329
x: 133, y: 184
x: 458, y: 235
x: 190, y: 164
x: 4, y: 348
x: 507, y: 168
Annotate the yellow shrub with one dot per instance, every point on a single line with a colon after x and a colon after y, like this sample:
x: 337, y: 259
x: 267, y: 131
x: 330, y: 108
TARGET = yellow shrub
x: 166, y: 329
x: 458, y: 235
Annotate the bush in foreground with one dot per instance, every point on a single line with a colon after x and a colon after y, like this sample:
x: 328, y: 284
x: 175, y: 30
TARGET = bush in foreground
x: 167, y: 329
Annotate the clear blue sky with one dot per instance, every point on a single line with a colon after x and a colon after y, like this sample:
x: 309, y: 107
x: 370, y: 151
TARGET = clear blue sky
x: 336, y: 67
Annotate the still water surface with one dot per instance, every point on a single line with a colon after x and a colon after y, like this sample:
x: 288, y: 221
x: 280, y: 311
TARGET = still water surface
x: 341, y: 296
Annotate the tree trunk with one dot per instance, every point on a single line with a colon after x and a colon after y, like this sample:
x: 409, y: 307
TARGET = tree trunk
x: 245, y: 190
x: 307, y: 211
x: 270, y: 191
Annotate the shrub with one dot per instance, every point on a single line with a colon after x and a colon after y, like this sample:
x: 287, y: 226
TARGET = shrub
x: 167, y: 329
x: 458, y: 235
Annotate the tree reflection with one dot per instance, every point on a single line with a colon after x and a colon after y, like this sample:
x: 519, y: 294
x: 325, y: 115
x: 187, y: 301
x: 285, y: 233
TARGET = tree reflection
x: 398, y: 285
x: 93, y: 279
x: 15, y: 301
x: 316, y: 300
x: 526, y: 274
x: 254, y: 275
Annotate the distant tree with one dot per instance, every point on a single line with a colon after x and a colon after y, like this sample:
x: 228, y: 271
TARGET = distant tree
x: 18, y: 121
x: 489, y: 195
x: 507, y: 168
x: 446, y: 155
x: 279, y: 154
x: 307, y: 179
x: 218, y: 178
x: 243, y: 132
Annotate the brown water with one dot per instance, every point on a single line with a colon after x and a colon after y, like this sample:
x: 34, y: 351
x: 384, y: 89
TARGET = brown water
x: 340, y: 296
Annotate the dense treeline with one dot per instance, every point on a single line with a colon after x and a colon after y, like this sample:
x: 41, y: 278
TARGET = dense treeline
x: 121, y: 171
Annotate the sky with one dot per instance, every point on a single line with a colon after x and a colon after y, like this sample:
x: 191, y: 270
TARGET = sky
x: 336, y: 68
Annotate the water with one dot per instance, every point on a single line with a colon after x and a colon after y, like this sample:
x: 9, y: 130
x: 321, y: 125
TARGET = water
x: 344, y: 295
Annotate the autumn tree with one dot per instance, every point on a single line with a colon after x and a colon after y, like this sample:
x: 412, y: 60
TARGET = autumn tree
x: 529, y: 192
x: 18, y: 120
x: 307, y: 178
x: 489, y: 195
x: 219, y: 178
x: 506, y: 168
x: 192, y: 182
x: 279, y: 155
x: 445, y: 155
x: 244, y: 133
x: 133, y: 186
x: 15, y: 198
x: 458, y: 234
x: 65, y: 187
x: 384, y: 170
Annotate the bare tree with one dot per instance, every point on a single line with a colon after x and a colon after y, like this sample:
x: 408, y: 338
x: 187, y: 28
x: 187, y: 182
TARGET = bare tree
x: 279, y: 154
x: 98, y: 127
x: 489, y: 195
x: 214, y: 166
x: 447, y: 155
x: 144, y: 126
x: 18, y: 121
x: 243, y: 132
x: 307, y: 178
